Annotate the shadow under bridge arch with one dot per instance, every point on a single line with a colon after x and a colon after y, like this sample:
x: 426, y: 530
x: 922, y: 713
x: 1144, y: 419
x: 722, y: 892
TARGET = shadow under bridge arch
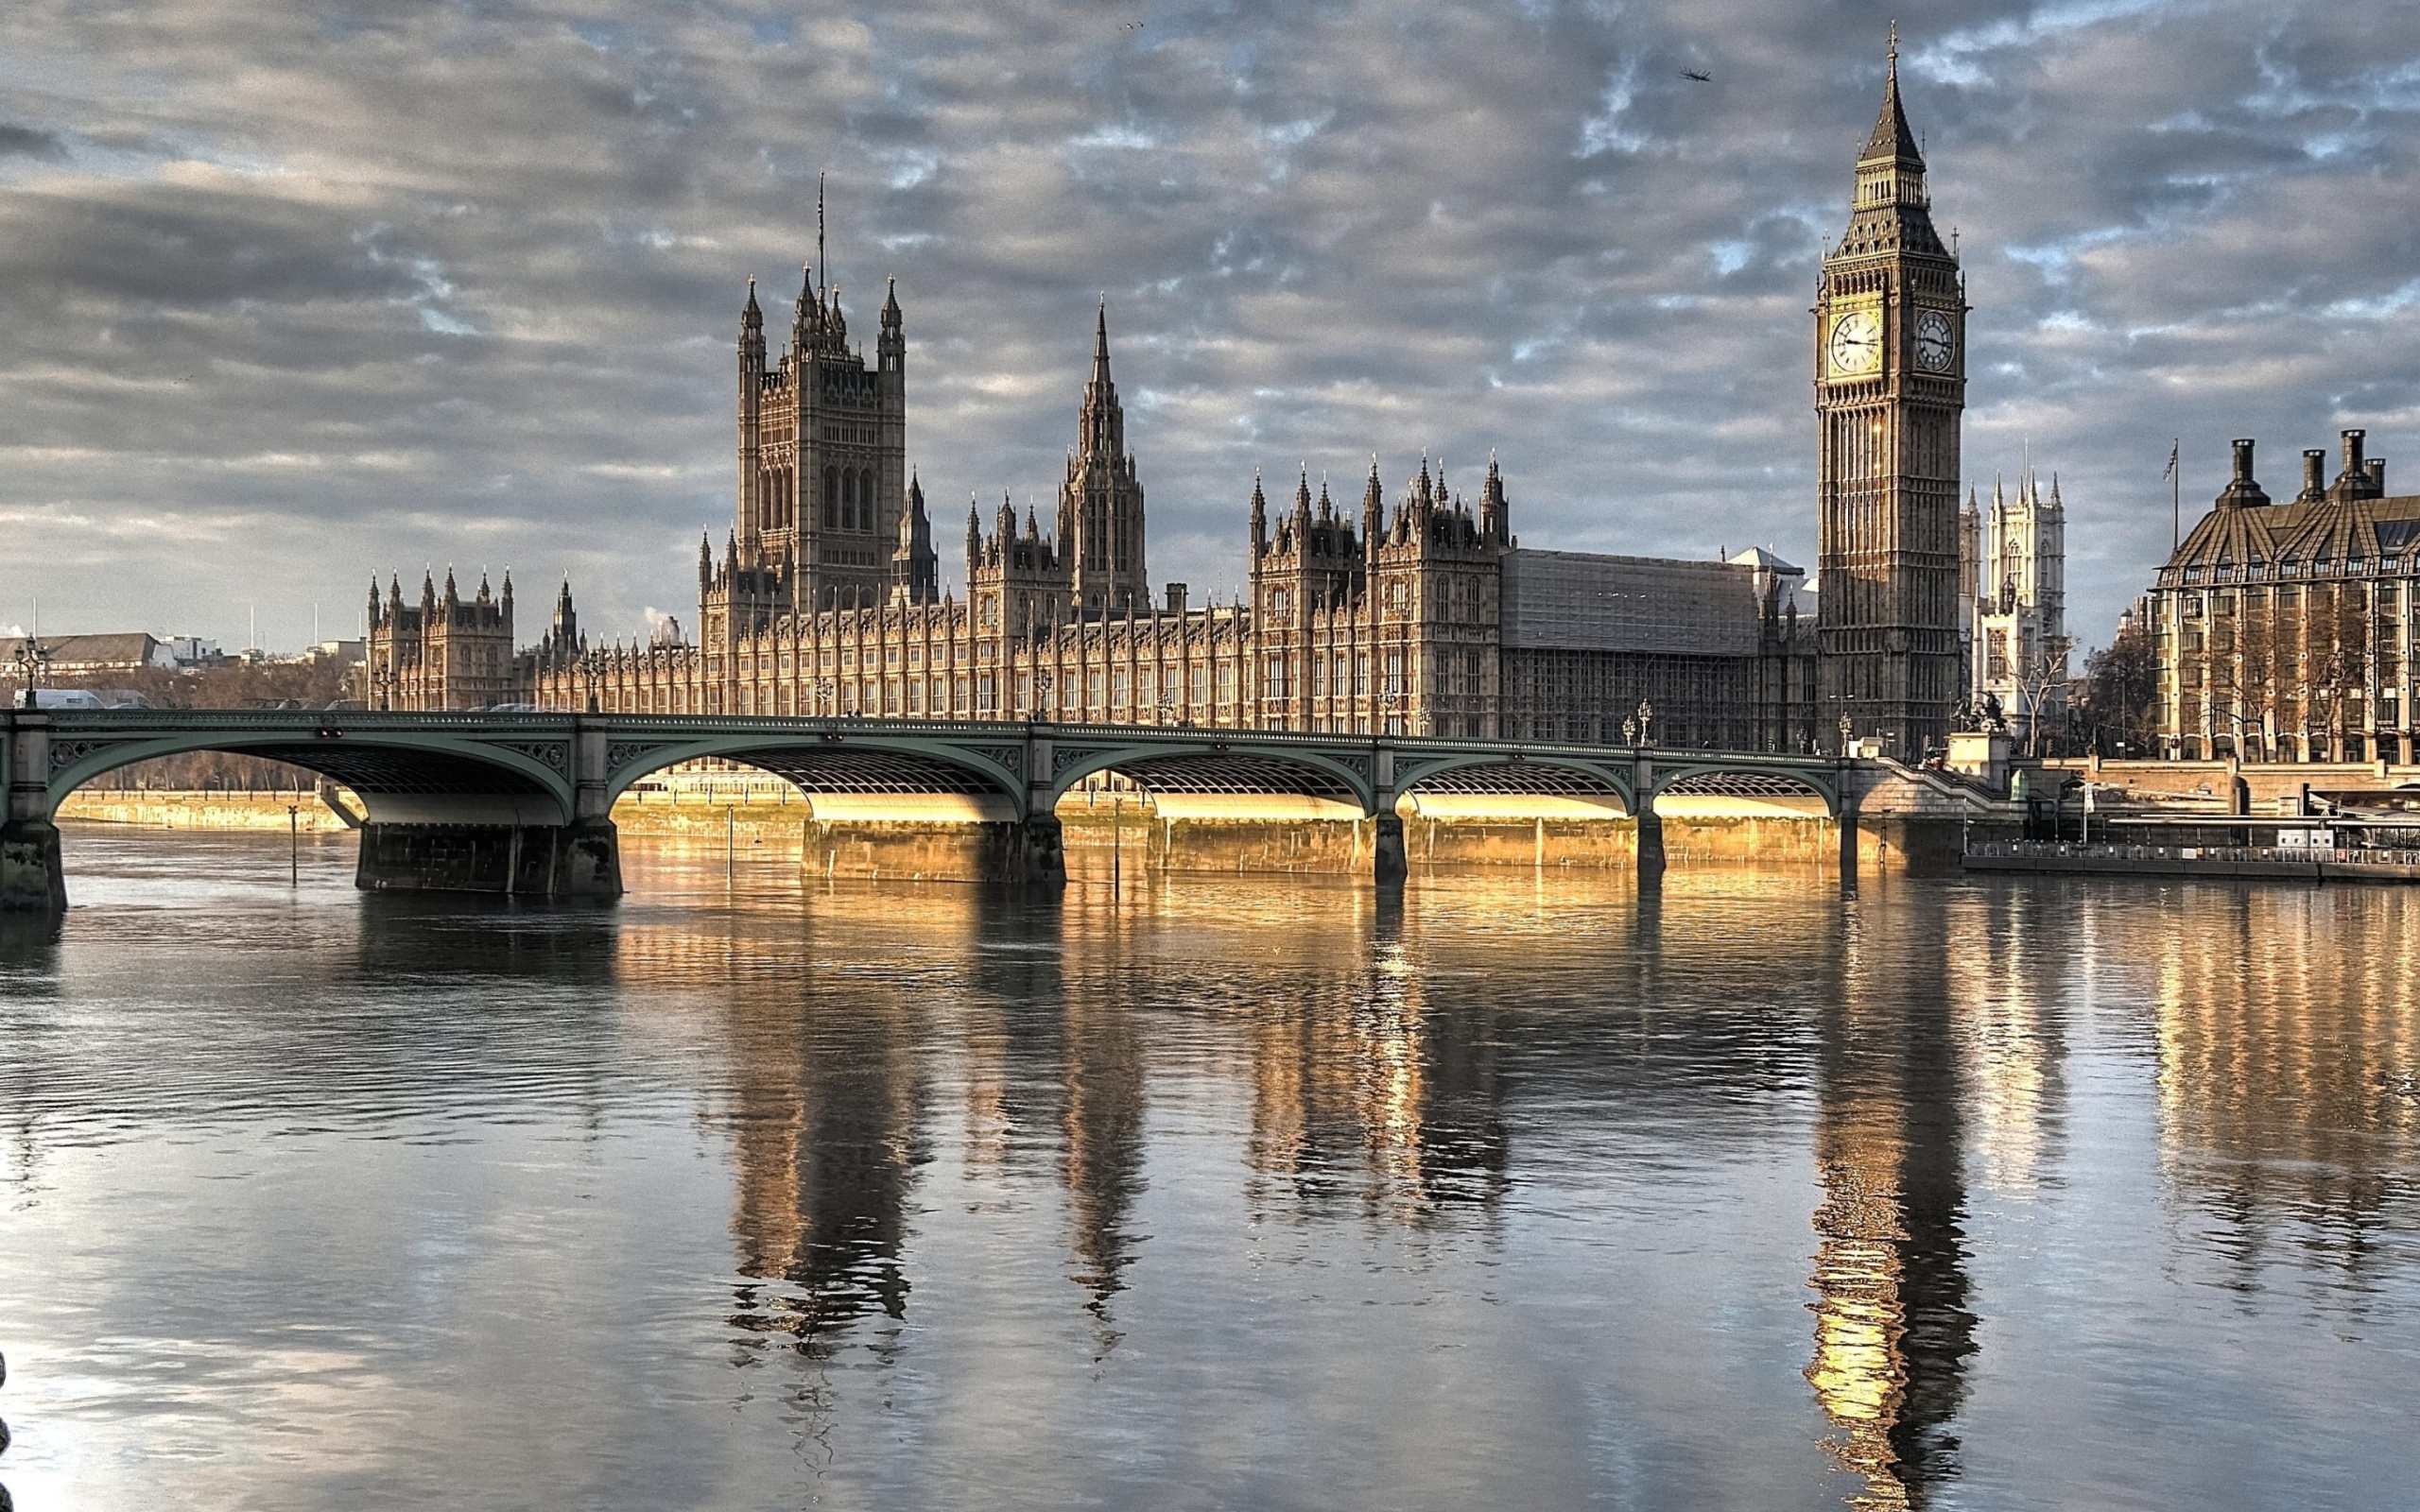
x: 1473, y: 780
x: 401, y: 777
x: 1218, y: 771
x: 1716, y: 788
x: 852, y: 775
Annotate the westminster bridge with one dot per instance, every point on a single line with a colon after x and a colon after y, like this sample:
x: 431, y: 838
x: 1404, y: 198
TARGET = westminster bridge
x: 521, y: 803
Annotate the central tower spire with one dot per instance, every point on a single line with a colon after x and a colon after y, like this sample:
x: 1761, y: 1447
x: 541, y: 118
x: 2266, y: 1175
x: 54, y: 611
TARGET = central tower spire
x: 1100, y: 504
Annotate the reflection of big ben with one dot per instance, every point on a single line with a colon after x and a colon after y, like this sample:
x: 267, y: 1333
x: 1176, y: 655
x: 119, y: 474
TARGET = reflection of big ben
x: 1889, y: 386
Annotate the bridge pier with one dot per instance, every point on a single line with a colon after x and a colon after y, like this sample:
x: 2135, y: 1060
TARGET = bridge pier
x: 501, y: 845
x: 1848, y: 821
x: 1389, y: 864
x: 1037, y: 848
x: 33, y: 876
x: 1649, y: 823
x: 577, y: 861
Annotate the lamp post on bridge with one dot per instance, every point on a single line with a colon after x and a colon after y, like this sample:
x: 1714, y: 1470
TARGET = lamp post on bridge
x: 1848, y: 728
x: 1043, y: 684
x: 1646, y: 723
x: 33, y: 659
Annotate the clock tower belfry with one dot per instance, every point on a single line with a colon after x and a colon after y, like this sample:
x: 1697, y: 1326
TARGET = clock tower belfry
x: 1890, y: 388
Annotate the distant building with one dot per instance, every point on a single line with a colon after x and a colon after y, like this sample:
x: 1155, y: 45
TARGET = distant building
x: 86, y: 656
x: 2013, y: 571
x: 2285, y: 631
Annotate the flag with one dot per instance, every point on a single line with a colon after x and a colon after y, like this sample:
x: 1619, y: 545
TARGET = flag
x: 2171, y: 462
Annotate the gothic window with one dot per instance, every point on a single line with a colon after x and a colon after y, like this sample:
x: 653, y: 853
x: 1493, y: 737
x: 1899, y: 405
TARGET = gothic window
x: 1201, y: 684
x: 831, y: 498
x: 1361, y: 674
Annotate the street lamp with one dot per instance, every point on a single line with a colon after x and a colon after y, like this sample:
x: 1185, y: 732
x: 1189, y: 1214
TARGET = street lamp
x: 1630, y: 730
x: 1646, y: 723
x: 382, y: 682
x: 1043, y: 682
x: 592, y: 669
x: 825, y: 692
x: 32, y: 659
x: 1848, y: 728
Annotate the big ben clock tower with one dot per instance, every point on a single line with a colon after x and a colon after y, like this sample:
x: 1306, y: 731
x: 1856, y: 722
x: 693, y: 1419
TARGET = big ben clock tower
x: 1890, y: 386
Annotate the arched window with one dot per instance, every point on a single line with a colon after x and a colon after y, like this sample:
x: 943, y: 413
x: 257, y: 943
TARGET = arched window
x: 831, y: 498
x: 848, y: 500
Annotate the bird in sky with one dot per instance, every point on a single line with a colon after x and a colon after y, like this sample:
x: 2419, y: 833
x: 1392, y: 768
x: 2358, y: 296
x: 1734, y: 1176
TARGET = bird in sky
x: 1695, y: 78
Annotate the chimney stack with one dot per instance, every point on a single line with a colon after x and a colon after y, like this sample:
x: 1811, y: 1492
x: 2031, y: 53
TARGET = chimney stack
x: 2315, y: 473
x: 2243, y: 460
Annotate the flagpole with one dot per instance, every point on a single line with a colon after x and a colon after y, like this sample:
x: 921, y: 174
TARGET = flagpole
x: 2175, y: 497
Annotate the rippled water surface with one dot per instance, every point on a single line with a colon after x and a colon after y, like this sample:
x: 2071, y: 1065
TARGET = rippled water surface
x: 1528, y: 1190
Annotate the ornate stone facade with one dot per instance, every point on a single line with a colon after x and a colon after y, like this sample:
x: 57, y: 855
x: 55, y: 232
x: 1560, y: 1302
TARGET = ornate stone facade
x: 1421, y: 616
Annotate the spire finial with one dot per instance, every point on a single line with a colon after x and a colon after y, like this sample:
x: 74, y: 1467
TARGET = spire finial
x: 1894, y: 46
x: 822, y: 262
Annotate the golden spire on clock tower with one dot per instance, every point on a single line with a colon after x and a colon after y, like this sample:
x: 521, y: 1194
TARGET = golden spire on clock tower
x: 1890, y: 390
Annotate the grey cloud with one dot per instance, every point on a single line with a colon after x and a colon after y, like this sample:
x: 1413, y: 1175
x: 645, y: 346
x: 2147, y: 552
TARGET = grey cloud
x: 392, y: 284
x: 28, y: 142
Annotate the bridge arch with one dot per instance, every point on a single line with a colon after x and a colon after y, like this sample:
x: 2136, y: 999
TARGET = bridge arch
x: 1520, y: 774
x: 1717, y: 777
x: 399, y: 776
x: 838, y: 762
x: 1212, y: 766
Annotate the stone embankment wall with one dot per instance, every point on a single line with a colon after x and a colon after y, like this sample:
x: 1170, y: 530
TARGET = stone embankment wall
x: 2198, y: 785
x: 945, y: 838
x: 169, y: 809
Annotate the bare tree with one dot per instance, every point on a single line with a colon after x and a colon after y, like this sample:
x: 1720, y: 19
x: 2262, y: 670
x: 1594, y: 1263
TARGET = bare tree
x: 2041, y: 681
x: 2120, y: 694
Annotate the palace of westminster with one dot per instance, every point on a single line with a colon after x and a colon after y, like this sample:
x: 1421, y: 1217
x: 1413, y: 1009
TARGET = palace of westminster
x: 1412, y: 609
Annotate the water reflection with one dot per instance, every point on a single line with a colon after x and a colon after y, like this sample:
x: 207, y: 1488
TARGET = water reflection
x: 1894, y: 1333
x: 1251, y: 1193
x: 2289, y: 1049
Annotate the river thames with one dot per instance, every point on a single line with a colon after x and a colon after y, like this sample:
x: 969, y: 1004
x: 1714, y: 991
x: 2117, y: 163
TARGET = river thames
x: 1214, y: 1191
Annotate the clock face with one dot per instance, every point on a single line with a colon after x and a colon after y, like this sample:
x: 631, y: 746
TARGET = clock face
x: 1936, y: 341
x: 1855, y: 345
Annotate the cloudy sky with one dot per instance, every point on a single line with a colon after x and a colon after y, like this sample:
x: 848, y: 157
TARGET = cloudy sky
x: 293, y: 292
